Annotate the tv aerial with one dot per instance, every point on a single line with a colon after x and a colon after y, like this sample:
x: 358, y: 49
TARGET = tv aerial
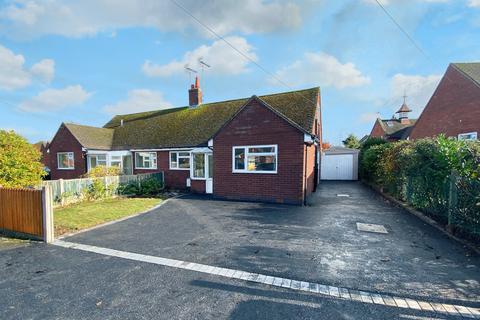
x: 190, y: 71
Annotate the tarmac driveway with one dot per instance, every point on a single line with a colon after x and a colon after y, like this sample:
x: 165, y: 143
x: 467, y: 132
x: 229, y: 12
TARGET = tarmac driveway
x: 319, y: 243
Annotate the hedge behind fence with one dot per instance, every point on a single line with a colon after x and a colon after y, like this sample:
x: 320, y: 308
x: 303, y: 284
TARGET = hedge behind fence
x: 439, y: 176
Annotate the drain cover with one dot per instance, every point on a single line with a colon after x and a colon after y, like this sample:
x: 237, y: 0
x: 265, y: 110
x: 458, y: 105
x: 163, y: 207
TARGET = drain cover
x: 368, y: 227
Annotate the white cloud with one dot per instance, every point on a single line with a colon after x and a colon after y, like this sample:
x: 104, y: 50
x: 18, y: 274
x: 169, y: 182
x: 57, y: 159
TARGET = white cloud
x: 418, y: 88
x: 369, y: 117
x: 139, y: 100
x: 55, y: 99
x: 319, y: 68
x: 12, y: 72
x: 89, y: 17
x: 222, y: 58
x: 45, y: 70
x: 14, y: 75
x: 474, y: 3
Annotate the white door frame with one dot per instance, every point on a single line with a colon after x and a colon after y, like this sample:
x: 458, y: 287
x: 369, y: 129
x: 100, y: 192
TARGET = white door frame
x: 208, y: 181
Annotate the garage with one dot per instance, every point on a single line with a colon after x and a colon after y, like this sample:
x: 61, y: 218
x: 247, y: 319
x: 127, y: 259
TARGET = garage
x: 339, y: 163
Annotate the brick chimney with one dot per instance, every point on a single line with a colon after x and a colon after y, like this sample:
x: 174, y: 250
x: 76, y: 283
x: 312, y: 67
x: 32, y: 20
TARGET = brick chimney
x: 195, y: 94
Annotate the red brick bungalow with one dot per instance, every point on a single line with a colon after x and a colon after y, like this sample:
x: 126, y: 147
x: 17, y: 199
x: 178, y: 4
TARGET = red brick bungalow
x: 262, y: 148
x: 454, y: 108
x: 396, y: 128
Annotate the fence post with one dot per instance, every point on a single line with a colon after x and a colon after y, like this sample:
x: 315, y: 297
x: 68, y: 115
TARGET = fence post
x: 452, y: 199
x: 62, y: 190
x: 47, y: 206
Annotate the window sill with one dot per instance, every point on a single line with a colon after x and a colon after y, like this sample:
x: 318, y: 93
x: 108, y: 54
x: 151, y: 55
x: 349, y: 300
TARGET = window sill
x: 256, y: 172
x: 145, y: 168
x: 180, y: 169
x: 65, y: 168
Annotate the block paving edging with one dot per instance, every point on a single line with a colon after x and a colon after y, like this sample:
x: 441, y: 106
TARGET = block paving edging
x: 311, y: 287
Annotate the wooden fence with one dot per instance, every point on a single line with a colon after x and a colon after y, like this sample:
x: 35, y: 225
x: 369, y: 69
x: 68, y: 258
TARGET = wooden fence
x: 71, y: 190
x: 27, y: 212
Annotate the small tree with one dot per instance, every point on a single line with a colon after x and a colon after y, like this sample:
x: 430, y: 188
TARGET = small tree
x: 351, y: 142
x: 20, y: 164
x: 326, y: 145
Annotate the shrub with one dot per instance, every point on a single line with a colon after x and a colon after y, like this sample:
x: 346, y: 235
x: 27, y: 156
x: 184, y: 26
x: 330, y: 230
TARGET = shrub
x: 129, y: 189
x: 150, y: 187
x: 103, y: 171
x: 97, y: 190
x: 20, y: 164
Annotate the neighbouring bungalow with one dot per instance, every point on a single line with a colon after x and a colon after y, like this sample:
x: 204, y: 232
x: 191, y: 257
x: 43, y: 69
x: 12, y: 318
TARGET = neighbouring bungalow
x: 263, y: 148
x: 454, y: 108
x: 394, y: 129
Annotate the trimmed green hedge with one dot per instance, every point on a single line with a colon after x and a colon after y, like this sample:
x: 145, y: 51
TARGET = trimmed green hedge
x: 439, y: 176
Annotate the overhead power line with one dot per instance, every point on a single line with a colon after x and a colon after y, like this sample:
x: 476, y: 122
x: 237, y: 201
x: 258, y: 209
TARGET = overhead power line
x: 410, y: 38
x: 240, y: 52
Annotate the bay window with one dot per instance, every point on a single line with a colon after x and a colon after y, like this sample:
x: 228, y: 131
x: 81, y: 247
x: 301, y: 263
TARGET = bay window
x: 180, y: 160
x: 65, y: 160
x: 255, y: 159
x: 145, y: 160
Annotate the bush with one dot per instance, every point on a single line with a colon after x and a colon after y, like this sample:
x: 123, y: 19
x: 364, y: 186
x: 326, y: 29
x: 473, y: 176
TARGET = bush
x: 103, y: 171
x: 150, y: 187
x: 20, y: 164
x: 129, y: 189
x: 97, y: 190
x: 440, y: 176
x: 147, y: 187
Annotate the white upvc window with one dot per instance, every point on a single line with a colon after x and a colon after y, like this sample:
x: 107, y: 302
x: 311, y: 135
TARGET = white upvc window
x: 65, y: 160
x: 145, y: 160
x: 179, y: 160
x: 116, y: 161
x: 96, y: 160
x: 255, y: 159
x: 468, y: 136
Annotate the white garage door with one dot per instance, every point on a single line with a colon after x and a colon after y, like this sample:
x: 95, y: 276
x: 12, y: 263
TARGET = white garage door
x: 337, y: 167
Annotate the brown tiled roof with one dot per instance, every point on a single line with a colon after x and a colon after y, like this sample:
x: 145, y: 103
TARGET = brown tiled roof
x: 92, y: 137
x: 470, y: 69
x: 187, y: 127
x: 395, y: 129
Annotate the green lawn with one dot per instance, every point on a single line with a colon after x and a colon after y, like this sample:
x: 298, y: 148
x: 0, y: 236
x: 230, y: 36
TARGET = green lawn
x: 88, y: 214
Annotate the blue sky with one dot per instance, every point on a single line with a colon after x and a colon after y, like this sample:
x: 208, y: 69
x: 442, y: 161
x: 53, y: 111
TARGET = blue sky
x: 85, y: 61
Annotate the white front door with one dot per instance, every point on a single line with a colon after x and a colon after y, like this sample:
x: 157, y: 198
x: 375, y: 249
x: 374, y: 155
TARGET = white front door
x: 202, y: 169
x: 209, y: 180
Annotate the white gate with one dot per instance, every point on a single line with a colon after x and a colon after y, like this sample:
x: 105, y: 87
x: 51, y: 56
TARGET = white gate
x: 337, y: 167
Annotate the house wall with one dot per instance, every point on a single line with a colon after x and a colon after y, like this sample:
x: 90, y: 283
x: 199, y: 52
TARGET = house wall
x: 309, y: 160
x: 454, y: 108
x: 175, y: 179
x: 257, y: 125
x: 198, y: 186
x: 377, y: 130
x: 64, y: 141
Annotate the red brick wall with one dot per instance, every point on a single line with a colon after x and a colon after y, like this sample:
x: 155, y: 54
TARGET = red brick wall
x: 309, y: 153
x: 175, y: 179
x: 454, y: 108
x: 64, y: 141
x: 198, y: 186
x: 257, y: 125
x: 377, y: 130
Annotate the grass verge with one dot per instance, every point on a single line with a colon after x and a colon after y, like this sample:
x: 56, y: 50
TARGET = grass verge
x: 88, y: 214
